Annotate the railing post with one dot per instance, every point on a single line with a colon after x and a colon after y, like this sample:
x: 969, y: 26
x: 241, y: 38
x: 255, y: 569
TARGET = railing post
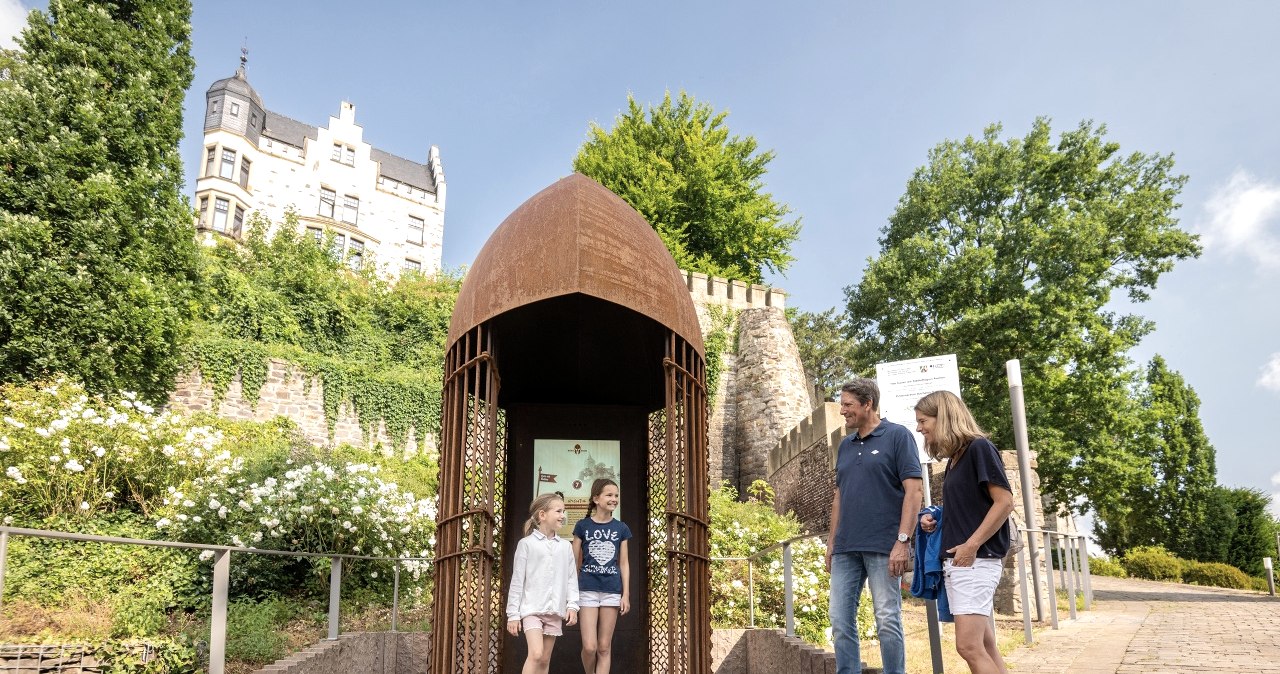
x: 1053, y: 591
x: 751, y: 590
x: 787, y: 589
x: 335, y: 595
x: 4, y: 555
x: 1022, y: 581
x: 1069, y: 564
x: 395, y: 594
x: 218, y: 616
x: 1084, y: 572
x: 1061, y: 547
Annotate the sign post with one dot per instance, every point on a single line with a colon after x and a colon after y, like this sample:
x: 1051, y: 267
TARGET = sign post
x: 902, y: 384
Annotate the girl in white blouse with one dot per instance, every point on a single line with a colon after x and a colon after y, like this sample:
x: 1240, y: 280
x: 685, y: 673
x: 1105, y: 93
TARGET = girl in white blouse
x: 544, y: 583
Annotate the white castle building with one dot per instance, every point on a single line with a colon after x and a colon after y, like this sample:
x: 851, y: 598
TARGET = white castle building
x: 380, y: 208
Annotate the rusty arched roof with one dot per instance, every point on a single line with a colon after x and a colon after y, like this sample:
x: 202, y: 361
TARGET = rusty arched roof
x: 576, y: 237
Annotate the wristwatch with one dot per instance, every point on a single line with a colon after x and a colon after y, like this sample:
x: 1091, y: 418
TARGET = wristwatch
x: 903, y: 538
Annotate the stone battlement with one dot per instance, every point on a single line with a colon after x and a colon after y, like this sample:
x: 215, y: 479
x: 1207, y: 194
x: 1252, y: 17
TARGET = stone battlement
x: 822, y: 429
x: 716, y: 291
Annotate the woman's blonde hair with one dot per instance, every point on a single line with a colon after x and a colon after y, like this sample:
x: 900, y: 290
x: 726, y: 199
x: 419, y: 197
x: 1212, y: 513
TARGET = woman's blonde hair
x: 540, y: 505
x: 955, y: 426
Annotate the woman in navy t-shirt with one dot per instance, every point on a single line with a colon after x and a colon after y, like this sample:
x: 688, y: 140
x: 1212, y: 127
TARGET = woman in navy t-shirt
x: 604, y: 574
x: 976, y: 502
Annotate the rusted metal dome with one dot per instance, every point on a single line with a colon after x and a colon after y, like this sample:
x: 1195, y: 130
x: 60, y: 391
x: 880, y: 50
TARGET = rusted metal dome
x: 576, y: 237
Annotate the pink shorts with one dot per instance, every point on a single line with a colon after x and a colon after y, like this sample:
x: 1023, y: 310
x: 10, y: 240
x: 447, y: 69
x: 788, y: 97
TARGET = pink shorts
x: 549, y: 623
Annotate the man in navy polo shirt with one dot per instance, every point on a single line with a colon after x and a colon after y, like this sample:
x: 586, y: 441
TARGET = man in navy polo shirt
x: 878, y: 493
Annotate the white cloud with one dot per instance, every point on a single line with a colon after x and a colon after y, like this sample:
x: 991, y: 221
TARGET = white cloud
x: 1244, y: 220
x: 13, y: 18
x: 1270, y: 379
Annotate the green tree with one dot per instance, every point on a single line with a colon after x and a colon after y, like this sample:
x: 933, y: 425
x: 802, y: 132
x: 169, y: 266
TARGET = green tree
x: 825, y: 350
x: 1170, y: 507
x: 1184, y: 460
x: 97, y: 255
x: 1013, y: 249
x: 699, y: 187
x: 1254, y: 535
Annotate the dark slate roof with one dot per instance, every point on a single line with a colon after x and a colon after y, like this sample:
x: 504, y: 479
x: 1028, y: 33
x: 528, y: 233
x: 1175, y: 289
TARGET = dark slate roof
x: 291, y: 131
x: 404, y: 170
x: 287, y: 130
x: 238, y: 84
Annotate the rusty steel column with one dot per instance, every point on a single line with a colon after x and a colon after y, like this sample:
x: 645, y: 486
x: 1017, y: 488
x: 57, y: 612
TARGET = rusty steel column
x: 679, y: 577
x: 466, y: 614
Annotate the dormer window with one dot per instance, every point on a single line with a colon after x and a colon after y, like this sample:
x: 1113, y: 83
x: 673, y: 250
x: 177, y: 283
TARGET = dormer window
x: 235, y: 109
x: 215, y: 106
x: 343, y: 154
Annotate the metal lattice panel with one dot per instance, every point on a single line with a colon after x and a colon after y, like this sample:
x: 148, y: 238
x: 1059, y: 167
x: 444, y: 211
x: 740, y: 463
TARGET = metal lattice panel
x: 466, y: 623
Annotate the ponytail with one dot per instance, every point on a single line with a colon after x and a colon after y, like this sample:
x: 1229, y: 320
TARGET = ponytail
x: 540, y: 505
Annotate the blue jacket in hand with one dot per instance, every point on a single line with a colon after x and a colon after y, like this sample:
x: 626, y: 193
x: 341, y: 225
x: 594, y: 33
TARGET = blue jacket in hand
x: 927, y: 581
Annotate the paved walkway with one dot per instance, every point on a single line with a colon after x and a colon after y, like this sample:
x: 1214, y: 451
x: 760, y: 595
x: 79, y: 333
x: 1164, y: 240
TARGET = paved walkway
x: 1143, y: 627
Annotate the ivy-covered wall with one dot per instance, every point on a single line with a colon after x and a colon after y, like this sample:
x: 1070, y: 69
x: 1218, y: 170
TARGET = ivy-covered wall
x: 287, y: 389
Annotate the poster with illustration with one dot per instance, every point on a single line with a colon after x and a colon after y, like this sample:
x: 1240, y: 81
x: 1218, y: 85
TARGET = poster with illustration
x: 570, y: 467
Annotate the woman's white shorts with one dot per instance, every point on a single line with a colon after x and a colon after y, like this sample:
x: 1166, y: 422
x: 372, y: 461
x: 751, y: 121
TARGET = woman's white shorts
x: 971, y: 589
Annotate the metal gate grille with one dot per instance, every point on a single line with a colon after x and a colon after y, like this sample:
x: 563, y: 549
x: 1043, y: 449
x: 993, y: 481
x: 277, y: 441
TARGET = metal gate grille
x: 679, y: 569
x: 467, y: 614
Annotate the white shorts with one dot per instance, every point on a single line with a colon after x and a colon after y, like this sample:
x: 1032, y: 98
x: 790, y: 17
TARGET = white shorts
x: 589, y: 599
x: 971, y: 589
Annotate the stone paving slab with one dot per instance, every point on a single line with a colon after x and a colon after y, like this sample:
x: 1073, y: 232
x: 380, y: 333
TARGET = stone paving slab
x: 1144, y: 627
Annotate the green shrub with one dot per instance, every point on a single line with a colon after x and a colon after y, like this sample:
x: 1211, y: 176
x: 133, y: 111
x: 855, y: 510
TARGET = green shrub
x: 253, y: 630
x: 1105, y: 566
x: 1216, y: 574
x: 1259, y: 584
x: 142, y: 585
x: 1152, y: 563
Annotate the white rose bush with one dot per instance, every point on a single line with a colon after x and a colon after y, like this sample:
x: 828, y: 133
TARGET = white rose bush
x: 65, y: 453
x: 741, y: 529
x: 312, y: 507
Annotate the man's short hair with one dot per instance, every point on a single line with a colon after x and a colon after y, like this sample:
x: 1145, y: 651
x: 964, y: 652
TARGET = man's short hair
x: 863, y: 390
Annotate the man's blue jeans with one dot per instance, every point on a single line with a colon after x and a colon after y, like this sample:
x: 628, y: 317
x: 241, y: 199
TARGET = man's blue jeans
x: 849, y: 570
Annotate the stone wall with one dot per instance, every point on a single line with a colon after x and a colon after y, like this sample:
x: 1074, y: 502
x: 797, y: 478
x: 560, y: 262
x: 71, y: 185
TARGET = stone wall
x: 722, y: 427
x: 801, y: 467
x: 365, y: 652
x: 762, y: 391
x: 770, y: 389
x: 288, y: 392
x: 769, y: 651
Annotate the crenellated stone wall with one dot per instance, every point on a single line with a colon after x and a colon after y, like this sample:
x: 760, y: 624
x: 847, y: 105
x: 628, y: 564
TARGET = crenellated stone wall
x: 762, y: 390
x: 288, y: 392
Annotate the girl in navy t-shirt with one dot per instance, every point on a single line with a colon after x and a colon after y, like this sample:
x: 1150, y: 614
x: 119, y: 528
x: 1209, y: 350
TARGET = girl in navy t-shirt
x: 604, y: 574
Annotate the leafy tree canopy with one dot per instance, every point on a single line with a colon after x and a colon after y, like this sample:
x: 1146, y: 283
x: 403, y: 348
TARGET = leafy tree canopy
x: 1013, y: 249
x: 701, y: 188
x: 825, y: 351
x: 97, y: 258
x: 1174, y: 506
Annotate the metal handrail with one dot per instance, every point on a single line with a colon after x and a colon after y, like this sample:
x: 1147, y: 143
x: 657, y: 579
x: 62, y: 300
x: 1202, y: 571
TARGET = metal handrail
x: 1073, y: 574
x: 788, y: 593
x: 221, y: 577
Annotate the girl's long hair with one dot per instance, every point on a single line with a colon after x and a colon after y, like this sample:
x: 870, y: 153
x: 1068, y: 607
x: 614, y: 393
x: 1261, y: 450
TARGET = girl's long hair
x: 539, y: 506
x: 597, y: 488
x: 955, y: 427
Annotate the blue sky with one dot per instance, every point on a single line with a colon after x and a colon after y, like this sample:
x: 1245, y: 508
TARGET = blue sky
x: 850, y: 96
